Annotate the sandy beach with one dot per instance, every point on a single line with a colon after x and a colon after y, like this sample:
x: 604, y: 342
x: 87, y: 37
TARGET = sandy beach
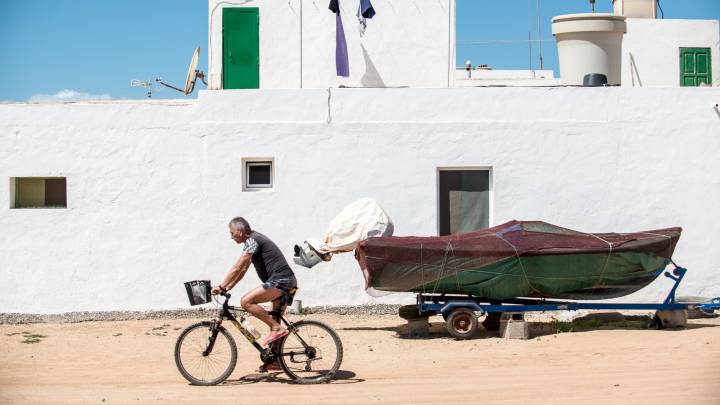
x: 132, y: 362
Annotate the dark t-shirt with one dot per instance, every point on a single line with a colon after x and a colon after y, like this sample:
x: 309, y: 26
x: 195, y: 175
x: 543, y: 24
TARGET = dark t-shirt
x: 267, y: 258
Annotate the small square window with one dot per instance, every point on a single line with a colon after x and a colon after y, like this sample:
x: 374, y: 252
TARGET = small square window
x: 258, y: 174
x: 38, y: 192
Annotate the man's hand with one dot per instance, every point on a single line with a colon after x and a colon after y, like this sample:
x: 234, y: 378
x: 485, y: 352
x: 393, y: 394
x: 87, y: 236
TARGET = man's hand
x: 217, y: 290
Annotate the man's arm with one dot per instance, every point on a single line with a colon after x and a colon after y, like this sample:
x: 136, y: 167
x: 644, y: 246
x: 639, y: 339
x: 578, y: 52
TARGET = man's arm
x: 237, y: 271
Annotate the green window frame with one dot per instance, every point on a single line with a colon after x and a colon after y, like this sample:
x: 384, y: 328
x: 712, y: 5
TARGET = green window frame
x: 695, y: 67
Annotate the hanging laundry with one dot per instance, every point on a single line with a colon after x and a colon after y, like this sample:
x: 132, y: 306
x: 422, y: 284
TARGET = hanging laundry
x: 342, y: 64
x: 367, y: 9
x: 364, y: 13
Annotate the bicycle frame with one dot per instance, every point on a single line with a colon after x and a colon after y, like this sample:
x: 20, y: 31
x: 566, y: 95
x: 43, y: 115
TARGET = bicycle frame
x: 267, y: 355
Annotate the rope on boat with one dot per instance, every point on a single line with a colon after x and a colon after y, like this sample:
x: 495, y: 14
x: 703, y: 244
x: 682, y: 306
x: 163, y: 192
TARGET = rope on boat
x: 422, y: 269
x: 517, y: 255
x: 607, y: 260
x: 448, y: 247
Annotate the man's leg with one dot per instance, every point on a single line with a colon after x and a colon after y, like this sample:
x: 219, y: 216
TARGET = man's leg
x: 276, y: 304
x: 275, y: 365
x: 250, y: 302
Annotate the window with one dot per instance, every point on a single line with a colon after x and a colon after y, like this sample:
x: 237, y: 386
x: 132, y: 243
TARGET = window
x: 258, y: 174
x: 464, y: 200
x: 695, y: 67
x: 38, y: 192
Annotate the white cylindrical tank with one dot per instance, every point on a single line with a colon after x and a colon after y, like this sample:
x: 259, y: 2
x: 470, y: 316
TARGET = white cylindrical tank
x: 589, y: 43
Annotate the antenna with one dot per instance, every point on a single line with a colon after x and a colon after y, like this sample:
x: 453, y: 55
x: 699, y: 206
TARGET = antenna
x: 147, y: 85
x: 539, y: 29
x: 192, y: 75
x: 530, y: 51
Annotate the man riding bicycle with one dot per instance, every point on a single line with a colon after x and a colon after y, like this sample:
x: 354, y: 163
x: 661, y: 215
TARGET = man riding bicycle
x: 278, y: 279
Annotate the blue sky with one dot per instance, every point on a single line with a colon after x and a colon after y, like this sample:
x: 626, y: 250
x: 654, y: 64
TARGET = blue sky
x: 93, y: 48
x: 484, y: 20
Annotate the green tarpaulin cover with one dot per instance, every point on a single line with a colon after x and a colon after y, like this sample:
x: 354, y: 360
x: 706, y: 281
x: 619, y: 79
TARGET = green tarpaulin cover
x: 519, y: 259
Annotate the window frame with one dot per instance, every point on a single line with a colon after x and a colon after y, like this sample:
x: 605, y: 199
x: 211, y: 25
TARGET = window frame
x: 491, y: 191
x: 13, y: 195
x: 249, y: 162
x: 695, y: 50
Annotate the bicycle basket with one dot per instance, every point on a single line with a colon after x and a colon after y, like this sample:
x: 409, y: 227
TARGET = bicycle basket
x: 198, y: 291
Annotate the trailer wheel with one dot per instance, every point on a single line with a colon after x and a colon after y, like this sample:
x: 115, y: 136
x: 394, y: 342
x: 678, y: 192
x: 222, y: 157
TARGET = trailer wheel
x: 462, y: 323
x: 411, y: 312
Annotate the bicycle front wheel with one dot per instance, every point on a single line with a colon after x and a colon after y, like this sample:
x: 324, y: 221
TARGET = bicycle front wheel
x: 196, y: 362
x: 311, y: 353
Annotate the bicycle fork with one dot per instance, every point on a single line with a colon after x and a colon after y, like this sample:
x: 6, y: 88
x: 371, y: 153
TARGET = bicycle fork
x: 211, y: 339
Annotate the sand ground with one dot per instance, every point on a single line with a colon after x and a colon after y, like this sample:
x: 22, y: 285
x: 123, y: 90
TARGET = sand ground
x: 131, y: 362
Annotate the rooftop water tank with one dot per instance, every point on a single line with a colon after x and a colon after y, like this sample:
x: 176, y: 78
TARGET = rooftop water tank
x: 635, y: 8
x: 589, y: 43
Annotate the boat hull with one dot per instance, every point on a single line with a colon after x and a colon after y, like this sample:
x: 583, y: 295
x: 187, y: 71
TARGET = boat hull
x: 519, y: 259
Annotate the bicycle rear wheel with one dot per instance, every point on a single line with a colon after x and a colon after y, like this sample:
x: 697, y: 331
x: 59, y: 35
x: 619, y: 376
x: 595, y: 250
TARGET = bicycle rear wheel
x: 311, y: 353
x: 201, y: 369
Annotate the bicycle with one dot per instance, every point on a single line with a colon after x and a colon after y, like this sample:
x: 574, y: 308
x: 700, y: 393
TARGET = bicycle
x: 206, y: 353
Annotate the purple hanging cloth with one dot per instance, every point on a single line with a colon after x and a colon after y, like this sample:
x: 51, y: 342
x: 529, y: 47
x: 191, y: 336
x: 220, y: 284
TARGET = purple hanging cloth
x: 342, y: 64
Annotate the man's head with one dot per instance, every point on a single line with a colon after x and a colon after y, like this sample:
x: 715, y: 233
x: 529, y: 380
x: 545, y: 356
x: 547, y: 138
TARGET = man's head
x: 239, y: 229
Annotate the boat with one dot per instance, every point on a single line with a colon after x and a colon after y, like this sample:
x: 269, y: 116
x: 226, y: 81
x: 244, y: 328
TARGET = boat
x: 519, y: 259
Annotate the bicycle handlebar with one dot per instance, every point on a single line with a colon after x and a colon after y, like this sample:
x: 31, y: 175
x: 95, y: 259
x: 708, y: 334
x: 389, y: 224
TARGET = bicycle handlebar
x: 227, y: 299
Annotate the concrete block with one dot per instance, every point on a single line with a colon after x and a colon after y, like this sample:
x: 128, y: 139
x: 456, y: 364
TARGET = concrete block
x: 511, y: 316
x: 672, y: 319
x: 514, y: 326
x: 418, y: 328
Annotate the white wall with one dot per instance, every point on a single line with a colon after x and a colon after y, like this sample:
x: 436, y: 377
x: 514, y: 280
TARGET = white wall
x: 279, y: 42
x: 151, y: 185
x: 654, y: 47
x: 500, y: 77
x: 408, y: 43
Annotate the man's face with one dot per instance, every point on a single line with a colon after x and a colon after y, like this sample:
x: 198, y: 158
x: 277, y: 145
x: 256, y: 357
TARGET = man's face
x: 238, y: 235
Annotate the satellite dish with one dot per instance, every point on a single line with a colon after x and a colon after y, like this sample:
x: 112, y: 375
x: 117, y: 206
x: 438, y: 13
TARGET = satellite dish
x: 192, y: 75
x: 192, y: 72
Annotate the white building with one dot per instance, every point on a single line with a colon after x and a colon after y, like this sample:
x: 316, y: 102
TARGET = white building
x: 409, y: 44
x: 146, y: 188
x: 653, y: 52
x: 634, y: 48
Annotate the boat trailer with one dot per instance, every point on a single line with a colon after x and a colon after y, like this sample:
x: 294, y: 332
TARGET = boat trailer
x: 459, y: 311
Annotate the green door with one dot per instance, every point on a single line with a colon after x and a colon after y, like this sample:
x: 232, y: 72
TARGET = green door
x: 695, y: 66
x: 241, y: 48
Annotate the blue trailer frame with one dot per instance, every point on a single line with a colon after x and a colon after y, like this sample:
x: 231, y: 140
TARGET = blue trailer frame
x: 446, y: 303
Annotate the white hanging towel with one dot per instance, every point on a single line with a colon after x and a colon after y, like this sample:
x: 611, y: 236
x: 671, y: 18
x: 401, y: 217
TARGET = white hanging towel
x: 360, y: 220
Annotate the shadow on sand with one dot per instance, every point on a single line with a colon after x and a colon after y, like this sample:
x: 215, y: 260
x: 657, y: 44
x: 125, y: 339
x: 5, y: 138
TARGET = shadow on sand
x: 588, y: 323
x: 341, y: 377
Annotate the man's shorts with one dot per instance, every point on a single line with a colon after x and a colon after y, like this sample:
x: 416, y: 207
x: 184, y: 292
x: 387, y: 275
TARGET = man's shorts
x: 284, y: 284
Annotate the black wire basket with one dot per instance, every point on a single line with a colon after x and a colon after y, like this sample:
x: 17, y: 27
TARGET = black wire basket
x: 198, y: 291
